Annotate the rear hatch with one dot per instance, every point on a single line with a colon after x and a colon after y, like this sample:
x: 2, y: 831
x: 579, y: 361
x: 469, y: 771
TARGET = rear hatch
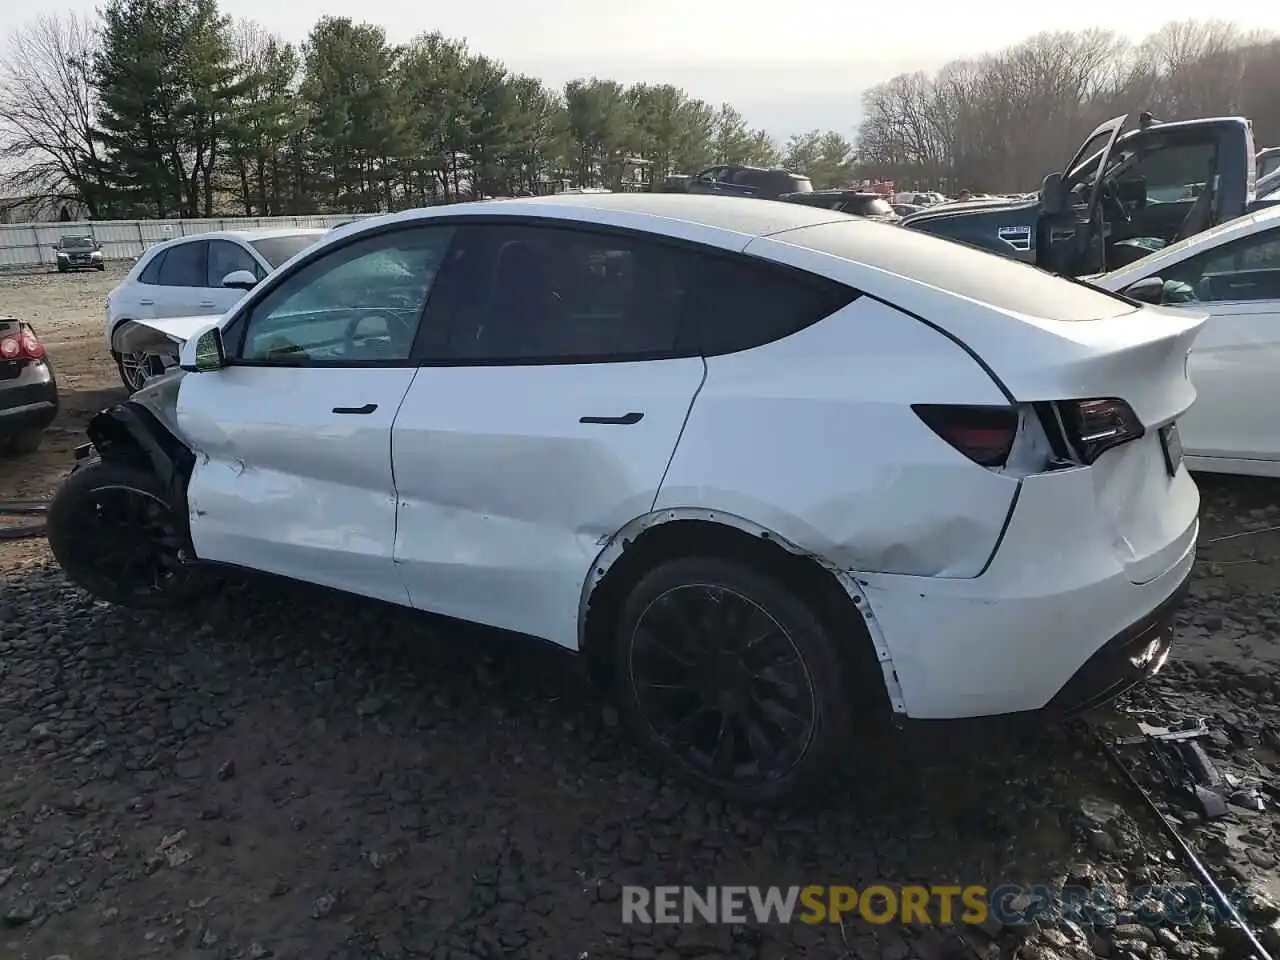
x: 1050, y: 343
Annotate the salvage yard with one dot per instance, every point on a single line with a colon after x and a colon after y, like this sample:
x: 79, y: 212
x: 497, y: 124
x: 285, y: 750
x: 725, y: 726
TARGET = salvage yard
x: 284, y: 772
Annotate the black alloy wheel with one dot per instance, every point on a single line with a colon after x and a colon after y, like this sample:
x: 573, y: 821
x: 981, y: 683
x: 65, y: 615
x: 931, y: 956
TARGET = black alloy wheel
x: 114, y: 533
x: 730, y: 679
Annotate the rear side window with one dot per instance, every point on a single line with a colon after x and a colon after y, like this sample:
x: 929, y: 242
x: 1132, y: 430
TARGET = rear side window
x: 529, y: 294
x: 736, y: 303
x: 151, y: 272
x: 184, y: 266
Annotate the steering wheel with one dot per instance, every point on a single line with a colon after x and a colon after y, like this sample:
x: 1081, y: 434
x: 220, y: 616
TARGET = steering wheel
x: 390, y: 321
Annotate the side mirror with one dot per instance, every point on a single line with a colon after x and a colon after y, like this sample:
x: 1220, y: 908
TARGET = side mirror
x: 1148, y: 290
x: 203, y: 352
x: 240, y: 280
x: 1053, y: 198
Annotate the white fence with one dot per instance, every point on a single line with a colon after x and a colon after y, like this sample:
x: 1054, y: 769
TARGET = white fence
x: 29, y: 244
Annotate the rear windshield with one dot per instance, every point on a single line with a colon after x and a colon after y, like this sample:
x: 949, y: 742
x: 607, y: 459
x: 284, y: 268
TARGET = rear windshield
x: 986, y: 277
x: 279, y: 249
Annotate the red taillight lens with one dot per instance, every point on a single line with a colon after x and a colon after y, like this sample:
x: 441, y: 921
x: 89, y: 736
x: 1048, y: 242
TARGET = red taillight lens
x: 1095, y: 426
x: 983, y: 434
x: 23, y: 345
x: 31, y: 344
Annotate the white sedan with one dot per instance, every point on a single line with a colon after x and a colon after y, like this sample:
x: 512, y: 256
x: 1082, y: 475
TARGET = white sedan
x: 1231, y: 273
x: 150, y: 312
x: 769, y: 468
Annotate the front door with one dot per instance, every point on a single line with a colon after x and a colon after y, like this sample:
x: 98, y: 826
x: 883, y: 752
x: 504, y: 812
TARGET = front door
x: 293, y: 438
x: 225, y: 257
x: 1235, y: 359
x: 544, y: 426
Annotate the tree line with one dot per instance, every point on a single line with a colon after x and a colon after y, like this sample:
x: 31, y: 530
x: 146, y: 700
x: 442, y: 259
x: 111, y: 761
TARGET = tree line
x: 167, y: 108
x: 1001, y: 122
x: 164, y: 108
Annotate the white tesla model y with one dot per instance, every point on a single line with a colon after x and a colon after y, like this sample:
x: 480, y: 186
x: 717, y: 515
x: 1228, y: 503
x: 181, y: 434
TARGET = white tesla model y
x: 768, y: 467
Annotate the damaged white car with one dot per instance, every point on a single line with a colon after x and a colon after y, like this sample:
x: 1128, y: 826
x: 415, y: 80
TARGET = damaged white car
x: 773, y: 470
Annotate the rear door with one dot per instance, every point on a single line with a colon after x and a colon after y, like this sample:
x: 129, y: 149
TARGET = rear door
x: 180, y: 286
x: 545, y: 423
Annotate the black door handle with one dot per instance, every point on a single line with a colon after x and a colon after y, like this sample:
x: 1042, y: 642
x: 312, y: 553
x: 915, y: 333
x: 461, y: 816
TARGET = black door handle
x: 626, y: 420
x: 367, y: 408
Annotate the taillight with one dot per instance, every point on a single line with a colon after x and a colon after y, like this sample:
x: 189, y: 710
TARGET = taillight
x: 21, y: 345
x: 983, y: 434
x: 31, y: 344
x: 1095, y: 426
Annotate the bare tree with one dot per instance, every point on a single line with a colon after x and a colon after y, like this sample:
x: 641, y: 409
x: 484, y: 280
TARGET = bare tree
x: 1006, y: 120
x: 47, y: 110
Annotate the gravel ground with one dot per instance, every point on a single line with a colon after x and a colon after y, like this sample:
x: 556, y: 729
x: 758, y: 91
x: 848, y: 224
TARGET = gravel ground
x: 285, y: 772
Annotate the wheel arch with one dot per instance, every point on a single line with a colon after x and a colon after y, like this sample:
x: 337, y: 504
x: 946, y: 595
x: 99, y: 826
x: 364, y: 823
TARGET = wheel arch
x: 129, y: 431
x: 689, y: 531
x: 126, y: 331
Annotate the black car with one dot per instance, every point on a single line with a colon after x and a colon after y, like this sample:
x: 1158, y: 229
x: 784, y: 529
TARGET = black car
x: 738, y: 181
x: 78, y: 253
x: 28, y: 390
x: 860, y: 203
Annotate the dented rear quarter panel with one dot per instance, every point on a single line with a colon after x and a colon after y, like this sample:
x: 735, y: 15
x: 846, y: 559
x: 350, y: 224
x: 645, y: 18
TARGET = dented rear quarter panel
x: 813, y: 437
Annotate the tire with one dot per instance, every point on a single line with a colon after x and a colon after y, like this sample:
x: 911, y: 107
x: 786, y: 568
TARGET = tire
x: 62, y: 269
x: 101, y: 267
x: 101, y: 557
x: 25, y: 443
x: 817, y: 671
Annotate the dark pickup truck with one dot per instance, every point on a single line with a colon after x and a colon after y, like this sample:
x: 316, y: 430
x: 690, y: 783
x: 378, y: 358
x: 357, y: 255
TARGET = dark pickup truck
x: 1124, y: 194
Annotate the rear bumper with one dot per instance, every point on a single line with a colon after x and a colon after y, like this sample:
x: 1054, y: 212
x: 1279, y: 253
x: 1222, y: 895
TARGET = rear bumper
x: 1051, y: 624
x: 29, y: 401
x: 1123, y: 662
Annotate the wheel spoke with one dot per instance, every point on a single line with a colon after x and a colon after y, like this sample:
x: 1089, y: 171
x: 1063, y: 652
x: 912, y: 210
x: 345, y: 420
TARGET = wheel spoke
x: 722, y: 684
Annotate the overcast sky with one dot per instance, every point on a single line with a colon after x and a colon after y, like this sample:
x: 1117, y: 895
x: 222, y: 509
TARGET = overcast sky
x: 789, y: 66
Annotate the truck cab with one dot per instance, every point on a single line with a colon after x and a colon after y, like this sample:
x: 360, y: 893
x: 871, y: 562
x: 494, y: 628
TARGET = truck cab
x: 1125, y: 193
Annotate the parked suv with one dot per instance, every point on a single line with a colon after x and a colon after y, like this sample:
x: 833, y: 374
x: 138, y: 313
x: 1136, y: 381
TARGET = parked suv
x: 78, y: 253
x: 732, y: 181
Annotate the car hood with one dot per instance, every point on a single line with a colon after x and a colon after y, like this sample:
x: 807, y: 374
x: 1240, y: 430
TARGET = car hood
x: 181, y: 328
x: 944, y: 211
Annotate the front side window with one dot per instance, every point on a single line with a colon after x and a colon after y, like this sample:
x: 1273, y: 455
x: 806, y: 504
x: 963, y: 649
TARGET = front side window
x: 359, y: 303
x: 184, y: 265
x: 1243, y: 270
x: 226, y: 257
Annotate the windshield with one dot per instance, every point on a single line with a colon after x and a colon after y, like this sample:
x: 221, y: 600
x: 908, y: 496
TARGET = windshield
x: 76, y: 243
x: 801, y: 185
x: 277, y: 250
